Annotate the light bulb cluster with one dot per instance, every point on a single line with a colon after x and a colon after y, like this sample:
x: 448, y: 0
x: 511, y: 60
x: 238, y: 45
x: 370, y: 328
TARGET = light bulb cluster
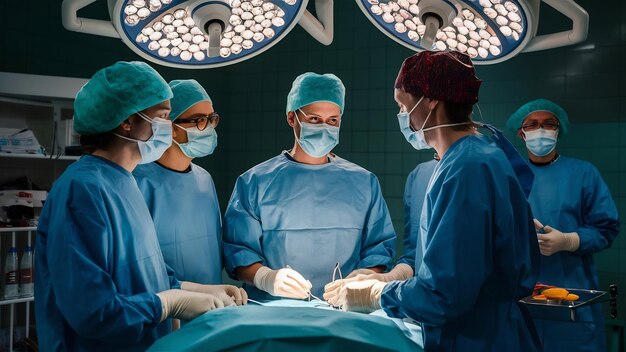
x: 137, y: 10
x: 175, y: 34
x: 506, y: 15
x: 469, y: 33
x: 251, y: 22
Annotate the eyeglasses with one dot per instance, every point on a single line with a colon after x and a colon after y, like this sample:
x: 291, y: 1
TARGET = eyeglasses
x: 535, y: 125
x: 202, y: 122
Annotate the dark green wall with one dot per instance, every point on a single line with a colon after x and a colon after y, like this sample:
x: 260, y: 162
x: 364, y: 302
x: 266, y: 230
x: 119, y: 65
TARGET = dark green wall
x: 589, y: 80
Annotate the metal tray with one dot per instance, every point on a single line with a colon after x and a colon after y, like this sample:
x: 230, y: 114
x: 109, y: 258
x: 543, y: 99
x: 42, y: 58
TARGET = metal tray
x: 563, y: 310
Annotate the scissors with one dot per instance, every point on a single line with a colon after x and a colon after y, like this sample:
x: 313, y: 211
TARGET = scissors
x: 314, y: 297
x: 335, y: 270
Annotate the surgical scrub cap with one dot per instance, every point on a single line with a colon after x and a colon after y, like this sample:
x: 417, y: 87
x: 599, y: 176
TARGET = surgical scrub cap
x: 515, y: 121
x: 311, y: 87
x: 187, y: 93
x: 446, y: 76
x: 116, y: 92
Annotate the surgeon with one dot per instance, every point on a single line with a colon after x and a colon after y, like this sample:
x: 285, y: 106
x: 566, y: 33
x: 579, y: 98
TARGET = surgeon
x: 293, y: 219
x: 101, y: 282
x: 477, y: 245
x: 414, y: 193
x: 575, y: 219
x: 181, y: 195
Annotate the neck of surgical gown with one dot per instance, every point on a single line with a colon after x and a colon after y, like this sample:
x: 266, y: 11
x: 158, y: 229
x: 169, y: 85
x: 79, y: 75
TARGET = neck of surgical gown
x: 479, y: 255
x: 98, y: 263
x: 309, y: 217
x: 187, y: 218
x: 414, y: 193
x: 571, y: 196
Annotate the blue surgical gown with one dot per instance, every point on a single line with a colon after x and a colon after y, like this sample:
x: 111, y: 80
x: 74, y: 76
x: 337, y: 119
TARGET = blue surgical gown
x: 187, y: 218
x: 570, y: 196
x: 414, y: 194
x: 479, y: 256
x: 309, y: 217
x: 98, y: 263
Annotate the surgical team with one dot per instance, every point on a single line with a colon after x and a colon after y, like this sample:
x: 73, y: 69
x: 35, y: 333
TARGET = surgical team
x: 131, y: 239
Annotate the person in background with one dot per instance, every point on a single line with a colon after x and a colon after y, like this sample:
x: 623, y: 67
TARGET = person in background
x: 101, y: 282
x: 478, y: 250
x: 414, y: 193
x: 181, y: 195
x: 575, y: 217
x: 292, y: 220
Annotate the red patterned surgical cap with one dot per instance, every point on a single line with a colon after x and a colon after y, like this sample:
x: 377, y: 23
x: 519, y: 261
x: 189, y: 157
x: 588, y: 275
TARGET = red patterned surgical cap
x: 447, y: 76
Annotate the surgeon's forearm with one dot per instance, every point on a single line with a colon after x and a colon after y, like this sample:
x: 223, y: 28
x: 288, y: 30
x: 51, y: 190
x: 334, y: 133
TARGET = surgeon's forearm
x: 246, y: 273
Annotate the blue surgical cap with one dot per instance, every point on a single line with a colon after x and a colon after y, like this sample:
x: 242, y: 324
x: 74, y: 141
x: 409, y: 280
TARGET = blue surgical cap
x: 116, y: 92
x: 311, y: 88
x: 515, y: 121
x: 187, y: 93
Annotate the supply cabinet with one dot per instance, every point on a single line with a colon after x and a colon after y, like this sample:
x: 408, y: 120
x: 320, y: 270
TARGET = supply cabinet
x: 43, y: 105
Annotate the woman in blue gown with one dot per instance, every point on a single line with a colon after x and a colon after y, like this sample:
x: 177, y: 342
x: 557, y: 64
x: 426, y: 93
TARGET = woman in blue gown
x: 101, y: 282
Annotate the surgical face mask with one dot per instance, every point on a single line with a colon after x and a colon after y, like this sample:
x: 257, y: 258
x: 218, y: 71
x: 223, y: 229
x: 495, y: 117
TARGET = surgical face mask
x: 199, y: 143
x: 541, y: 142
x: 161, y: 139
x: 417, y: 138
x: 317, y: 140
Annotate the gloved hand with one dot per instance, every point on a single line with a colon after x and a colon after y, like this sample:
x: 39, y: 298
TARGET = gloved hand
x: 553, y: 240
x: 229, y: 295
x: 361, y: 296
x: 361, y: 271
x: 399, y: 272
x: 285, y: 282
x: 186, y: 305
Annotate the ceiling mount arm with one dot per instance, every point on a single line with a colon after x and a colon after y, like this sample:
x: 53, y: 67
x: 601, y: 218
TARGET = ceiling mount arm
x: 577, y: 34
x: 320, y: 28
x: 71, y: 21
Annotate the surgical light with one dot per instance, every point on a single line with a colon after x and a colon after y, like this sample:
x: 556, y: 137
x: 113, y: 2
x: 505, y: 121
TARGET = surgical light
x: 489, y: 31
x: 202, y: 33
x: 214, y: 33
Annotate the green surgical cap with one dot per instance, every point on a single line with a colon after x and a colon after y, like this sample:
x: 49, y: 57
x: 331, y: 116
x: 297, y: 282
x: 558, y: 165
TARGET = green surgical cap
x: 116, y: 92
x: 312, y: 88
x: 187, y: 93
x: 515, y: 121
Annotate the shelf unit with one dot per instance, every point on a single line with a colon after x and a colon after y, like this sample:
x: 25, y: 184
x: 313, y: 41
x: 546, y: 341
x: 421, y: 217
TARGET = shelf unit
x: 39, y: 156
x: 26, y: 299
x: 14, y: 231
x: 45, y: 105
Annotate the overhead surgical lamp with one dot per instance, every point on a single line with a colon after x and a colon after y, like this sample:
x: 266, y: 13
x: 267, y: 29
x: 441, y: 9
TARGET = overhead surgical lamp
x: 202, y: 33
x: 489, y: 31
x: 214, y: 33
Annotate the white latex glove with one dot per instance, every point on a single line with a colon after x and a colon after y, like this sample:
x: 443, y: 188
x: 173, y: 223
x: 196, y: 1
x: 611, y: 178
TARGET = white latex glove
x: 229, y: 295
x: 186, y: 305
x: 362, y: 271
x: 399, y: 272
x: 361, y: 296
x: 553, y: 240
x: 285, y: 282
